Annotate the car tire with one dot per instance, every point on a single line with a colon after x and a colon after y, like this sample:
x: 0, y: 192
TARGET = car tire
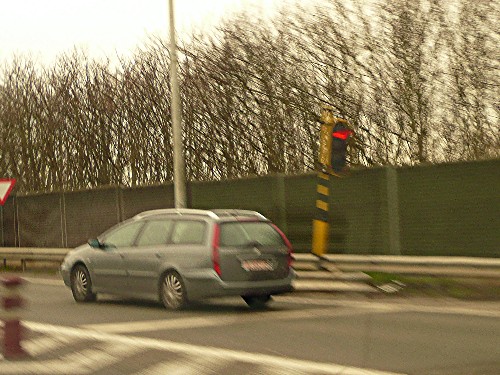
x: 81, y: 285
x: 257, y: 302
x: 173, y: 291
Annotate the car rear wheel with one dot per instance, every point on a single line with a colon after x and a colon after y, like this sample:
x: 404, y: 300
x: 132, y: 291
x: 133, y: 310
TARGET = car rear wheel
x: 173, y: 291
x: 81, y: 285
x: 257, y: 302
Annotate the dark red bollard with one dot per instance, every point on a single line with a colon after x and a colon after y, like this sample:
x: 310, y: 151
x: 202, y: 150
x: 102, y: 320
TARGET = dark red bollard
x: 12, y: 302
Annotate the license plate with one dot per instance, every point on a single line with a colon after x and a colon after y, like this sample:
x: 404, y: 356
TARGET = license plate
x: 257, y: 265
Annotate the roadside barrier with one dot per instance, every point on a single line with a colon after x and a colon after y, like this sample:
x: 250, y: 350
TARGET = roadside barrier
x: 12, y: 302
x: 469, y: 267
x: 27, y: 255
x: 460, y: 267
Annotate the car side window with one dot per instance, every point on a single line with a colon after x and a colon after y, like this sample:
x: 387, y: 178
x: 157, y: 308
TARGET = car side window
x: 189, y: 232
x: 124, y: 235
x: 155, y: 233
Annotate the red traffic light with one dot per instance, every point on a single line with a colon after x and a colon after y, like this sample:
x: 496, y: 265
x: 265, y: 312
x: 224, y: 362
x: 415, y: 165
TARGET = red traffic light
x: 342, y: 134
x: 338, y: 157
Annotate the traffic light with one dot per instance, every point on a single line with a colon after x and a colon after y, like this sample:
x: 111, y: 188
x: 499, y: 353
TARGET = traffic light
x: 340, y: 134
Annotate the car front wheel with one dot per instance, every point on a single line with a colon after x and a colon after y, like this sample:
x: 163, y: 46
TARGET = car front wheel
x: 173, y: 291
x: 81, y: 285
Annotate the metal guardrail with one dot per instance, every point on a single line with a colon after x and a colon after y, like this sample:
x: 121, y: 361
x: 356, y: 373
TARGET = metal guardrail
x: 31, y: 254
x: 410, y: 265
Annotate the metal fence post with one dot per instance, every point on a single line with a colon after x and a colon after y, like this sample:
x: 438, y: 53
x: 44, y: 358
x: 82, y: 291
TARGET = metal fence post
x: 281, y: 202
x: 17, y: 224
x: 393, y: 211
x: 1, y: 226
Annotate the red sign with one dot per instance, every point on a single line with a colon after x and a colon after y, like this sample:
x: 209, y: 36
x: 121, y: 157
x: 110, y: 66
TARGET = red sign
x: 6, y: 186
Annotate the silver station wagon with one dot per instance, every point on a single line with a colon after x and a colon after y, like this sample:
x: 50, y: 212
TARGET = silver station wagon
x: 180, y: 255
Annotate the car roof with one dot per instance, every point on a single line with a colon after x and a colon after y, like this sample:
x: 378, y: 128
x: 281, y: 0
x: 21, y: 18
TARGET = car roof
x: 216, y: 214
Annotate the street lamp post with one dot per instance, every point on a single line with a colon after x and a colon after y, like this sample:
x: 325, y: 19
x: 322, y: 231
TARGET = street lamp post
x: 179, y: 165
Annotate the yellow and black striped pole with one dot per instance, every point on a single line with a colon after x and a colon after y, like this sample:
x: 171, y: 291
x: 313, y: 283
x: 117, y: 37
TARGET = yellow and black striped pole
x: 320, y: 222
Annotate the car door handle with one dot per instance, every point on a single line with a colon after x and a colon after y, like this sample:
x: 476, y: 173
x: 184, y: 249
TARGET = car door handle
x: 122, y: 256
x: 158, y: 255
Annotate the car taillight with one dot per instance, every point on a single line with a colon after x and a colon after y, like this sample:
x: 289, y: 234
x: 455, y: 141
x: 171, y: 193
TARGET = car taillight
x: 287, y: 243
x: 215, y: 250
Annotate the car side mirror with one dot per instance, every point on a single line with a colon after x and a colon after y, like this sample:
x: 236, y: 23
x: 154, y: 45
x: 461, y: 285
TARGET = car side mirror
x: 95, y: 243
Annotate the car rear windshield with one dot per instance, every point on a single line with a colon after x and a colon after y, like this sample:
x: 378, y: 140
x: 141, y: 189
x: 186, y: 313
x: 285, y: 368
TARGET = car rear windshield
x: 240, y: 234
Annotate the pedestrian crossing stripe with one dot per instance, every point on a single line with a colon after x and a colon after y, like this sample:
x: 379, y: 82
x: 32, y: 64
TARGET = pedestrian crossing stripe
x: 115, y: 347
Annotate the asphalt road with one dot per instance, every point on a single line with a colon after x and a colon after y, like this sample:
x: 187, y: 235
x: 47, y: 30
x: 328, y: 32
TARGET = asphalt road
x: 298, y: 334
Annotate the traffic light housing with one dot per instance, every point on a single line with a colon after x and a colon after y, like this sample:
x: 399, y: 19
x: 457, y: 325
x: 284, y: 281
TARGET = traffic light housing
x: 340, y: 134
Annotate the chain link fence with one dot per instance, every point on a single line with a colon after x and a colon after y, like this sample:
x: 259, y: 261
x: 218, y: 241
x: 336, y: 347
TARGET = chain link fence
x: 447, y: 209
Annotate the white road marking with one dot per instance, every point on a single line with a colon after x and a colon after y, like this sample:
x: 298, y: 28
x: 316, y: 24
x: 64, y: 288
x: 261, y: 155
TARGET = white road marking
x: 205, y: 351
x: 153, y: 325
x: 403, y: 307
x: 278, y: 371
x: 218, y: 320
x: 82, y: 362
x: 186, y: 366
x: 108, y: 353
x: 43, y: 344
x: 454, y: 310
x: 41, y: 281
x: 170, y: 368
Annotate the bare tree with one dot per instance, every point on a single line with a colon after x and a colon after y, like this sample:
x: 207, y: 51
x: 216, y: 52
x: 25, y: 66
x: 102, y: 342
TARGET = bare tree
x: 418, y: 80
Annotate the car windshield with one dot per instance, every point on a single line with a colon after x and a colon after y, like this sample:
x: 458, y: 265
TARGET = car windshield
x: 241, y: 234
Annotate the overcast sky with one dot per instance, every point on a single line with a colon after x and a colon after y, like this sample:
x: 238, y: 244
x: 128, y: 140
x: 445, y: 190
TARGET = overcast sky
x: 46, y: 28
